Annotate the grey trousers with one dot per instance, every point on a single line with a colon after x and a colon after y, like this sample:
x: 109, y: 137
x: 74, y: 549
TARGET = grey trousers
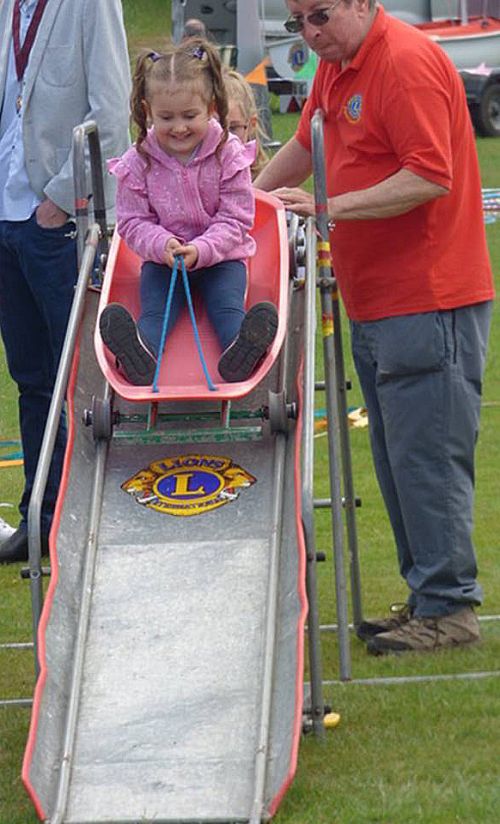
x: 421, y: 378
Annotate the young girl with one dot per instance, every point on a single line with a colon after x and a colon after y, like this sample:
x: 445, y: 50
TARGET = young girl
x: 185, y: 189
x: 243, y: 117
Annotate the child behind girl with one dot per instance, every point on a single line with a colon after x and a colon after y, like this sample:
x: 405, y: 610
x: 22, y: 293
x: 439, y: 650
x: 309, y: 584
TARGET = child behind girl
x: 243, y: 117
x: 185, y: 190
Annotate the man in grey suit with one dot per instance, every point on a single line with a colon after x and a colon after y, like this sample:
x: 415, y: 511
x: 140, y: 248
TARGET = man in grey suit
x: 61, y: 63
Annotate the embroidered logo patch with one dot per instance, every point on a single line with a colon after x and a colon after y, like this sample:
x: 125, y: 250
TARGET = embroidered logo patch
x: 353, y: 107
x: 188, y: 484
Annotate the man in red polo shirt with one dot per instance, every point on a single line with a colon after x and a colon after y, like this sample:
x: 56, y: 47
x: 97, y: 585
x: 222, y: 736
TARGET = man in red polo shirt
x: 410, y: 256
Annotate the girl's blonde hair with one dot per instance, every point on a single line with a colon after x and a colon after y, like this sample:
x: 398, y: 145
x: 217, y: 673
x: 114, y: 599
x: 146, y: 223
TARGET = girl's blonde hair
x: 239, y: 91
x: 195, y: 63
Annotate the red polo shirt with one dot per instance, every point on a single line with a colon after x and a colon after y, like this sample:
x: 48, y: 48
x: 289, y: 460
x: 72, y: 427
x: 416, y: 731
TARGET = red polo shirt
x: 401, y: 104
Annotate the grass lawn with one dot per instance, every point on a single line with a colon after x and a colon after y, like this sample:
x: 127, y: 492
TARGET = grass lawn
x: 420, y: 752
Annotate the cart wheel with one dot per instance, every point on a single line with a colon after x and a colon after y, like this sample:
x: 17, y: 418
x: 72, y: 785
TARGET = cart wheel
x: 293, y: 228
x: 102, y: 419
x: 278, y: 411
x: 487, y: 119
x: 296, y: 245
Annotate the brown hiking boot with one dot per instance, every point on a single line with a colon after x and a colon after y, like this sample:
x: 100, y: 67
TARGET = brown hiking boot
x: 429, y: 634
x: 400, y: 614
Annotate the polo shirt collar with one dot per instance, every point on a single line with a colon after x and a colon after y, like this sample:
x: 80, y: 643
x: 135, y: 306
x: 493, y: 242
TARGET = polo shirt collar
x: 376, y: 31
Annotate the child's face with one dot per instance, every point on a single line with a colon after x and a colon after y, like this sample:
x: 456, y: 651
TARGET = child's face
x: 180, y: 118
x: 238, y: 124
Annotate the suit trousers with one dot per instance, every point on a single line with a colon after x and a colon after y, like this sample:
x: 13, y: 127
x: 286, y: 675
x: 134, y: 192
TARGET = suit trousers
x: 38, y: 270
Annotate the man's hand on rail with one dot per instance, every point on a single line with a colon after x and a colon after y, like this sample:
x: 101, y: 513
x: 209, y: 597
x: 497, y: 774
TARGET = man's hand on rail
x: 296, y: 200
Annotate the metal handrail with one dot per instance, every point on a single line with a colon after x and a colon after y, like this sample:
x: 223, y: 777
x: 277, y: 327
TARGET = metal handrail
x: 51, y: 429
x: 83, y: 134
x: 315, y: 665
x: 92, y: 244
x: 349, y: 501
x: 327, y: 287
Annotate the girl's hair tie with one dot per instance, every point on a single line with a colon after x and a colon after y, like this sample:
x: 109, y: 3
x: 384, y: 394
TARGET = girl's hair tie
x: 154, y: 56
x: 199, y: 52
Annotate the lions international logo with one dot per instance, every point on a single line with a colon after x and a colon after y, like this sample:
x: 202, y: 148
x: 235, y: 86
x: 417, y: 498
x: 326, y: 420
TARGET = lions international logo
x: 298, y: 56
x: 353, y: 107
x: 188, y: 484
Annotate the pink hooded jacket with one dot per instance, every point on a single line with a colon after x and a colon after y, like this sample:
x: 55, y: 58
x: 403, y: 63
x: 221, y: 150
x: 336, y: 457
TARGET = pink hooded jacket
x: 208, y: 202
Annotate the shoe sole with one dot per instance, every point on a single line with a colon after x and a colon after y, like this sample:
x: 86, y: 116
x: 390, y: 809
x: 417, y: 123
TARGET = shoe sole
x: 257, y: 333
x: 119, y: 333
x: 374, y: 647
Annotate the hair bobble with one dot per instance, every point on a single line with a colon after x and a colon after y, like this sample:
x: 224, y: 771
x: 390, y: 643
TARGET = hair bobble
x: 154, y: 56
x: 199, y: 52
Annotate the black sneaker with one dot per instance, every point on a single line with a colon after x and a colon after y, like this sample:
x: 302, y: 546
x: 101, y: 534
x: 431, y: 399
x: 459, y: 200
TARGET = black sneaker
x: 256, y: 335
x: 120, y: 334
x: 15, y: 548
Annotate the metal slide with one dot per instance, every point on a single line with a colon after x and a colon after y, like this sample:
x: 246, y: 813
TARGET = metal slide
x: 171, y: 638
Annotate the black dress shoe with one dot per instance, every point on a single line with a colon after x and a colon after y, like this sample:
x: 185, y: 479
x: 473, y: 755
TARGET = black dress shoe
x: 15, y: 548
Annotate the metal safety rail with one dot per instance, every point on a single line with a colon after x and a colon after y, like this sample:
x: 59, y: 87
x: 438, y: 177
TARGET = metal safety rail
x: 92, y: 245
x: 317, y: 708
x: 335, y: 386
x: 83, y: 135
x: 51, y: 428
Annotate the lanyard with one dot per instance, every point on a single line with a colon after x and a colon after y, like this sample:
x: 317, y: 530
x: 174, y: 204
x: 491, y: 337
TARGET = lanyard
x: 21, y: 55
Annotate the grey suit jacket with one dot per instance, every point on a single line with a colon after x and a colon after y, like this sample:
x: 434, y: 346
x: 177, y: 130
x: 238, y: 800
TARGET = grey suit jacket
x: 78, y: 70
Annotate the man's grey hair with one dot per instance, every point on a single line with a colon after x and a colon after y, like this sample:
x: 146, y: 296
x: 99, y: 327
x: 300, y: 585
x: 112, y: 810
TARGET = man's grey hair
x: 194, y: 28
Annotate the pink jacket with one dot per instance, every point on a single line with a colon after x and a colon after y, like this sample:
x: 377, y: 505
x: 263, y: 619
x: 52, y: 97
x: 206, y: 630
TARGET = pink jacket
x: 208, y: 202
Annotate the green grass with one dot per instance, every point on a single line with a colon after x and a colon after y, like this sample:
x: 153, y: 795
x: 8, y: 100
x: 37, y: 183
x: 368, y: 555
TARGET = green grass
x: 148, y: 22
x: 405, y: 752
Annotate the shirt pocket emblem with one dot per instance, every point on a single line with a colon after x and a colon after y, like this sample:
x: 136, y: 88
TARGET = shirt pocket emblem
x: 353, y: 108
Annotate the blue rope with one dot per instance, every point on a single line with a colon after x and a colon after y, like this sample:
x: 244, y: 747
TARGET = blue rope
x: 166, y: 318
x: 195, y: 328
x: 179, y: 259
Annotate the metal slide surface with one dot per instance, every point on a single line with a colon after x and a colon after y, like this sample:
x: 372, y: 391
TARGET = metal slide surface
x: 169, y: 712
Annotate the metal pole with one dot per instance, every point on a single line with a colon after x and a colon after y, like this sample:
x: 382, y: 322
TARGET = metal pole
x: 50, y: 434
x: 90, y: 131
x: 248, y: 35
x: 82, y: 132
x: 313, y: 630
x: 349, y: 499
x: 88, y: 243
x: 464, y: 16
x: 328, y: 287
x: 177, y: 19
x: 336, y: 495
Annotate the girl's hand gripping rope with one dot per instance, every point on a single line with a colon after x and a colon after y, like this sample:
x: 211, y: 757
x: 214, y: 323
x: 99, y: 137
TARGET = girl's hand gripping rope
x: 174, y: 248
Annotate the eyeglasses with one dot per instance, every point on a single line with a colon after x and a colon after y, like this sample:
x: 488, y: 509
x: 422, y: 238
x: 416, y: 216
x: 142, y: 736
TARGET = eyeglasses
x: 238, y: 128
x: 316, y: 18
